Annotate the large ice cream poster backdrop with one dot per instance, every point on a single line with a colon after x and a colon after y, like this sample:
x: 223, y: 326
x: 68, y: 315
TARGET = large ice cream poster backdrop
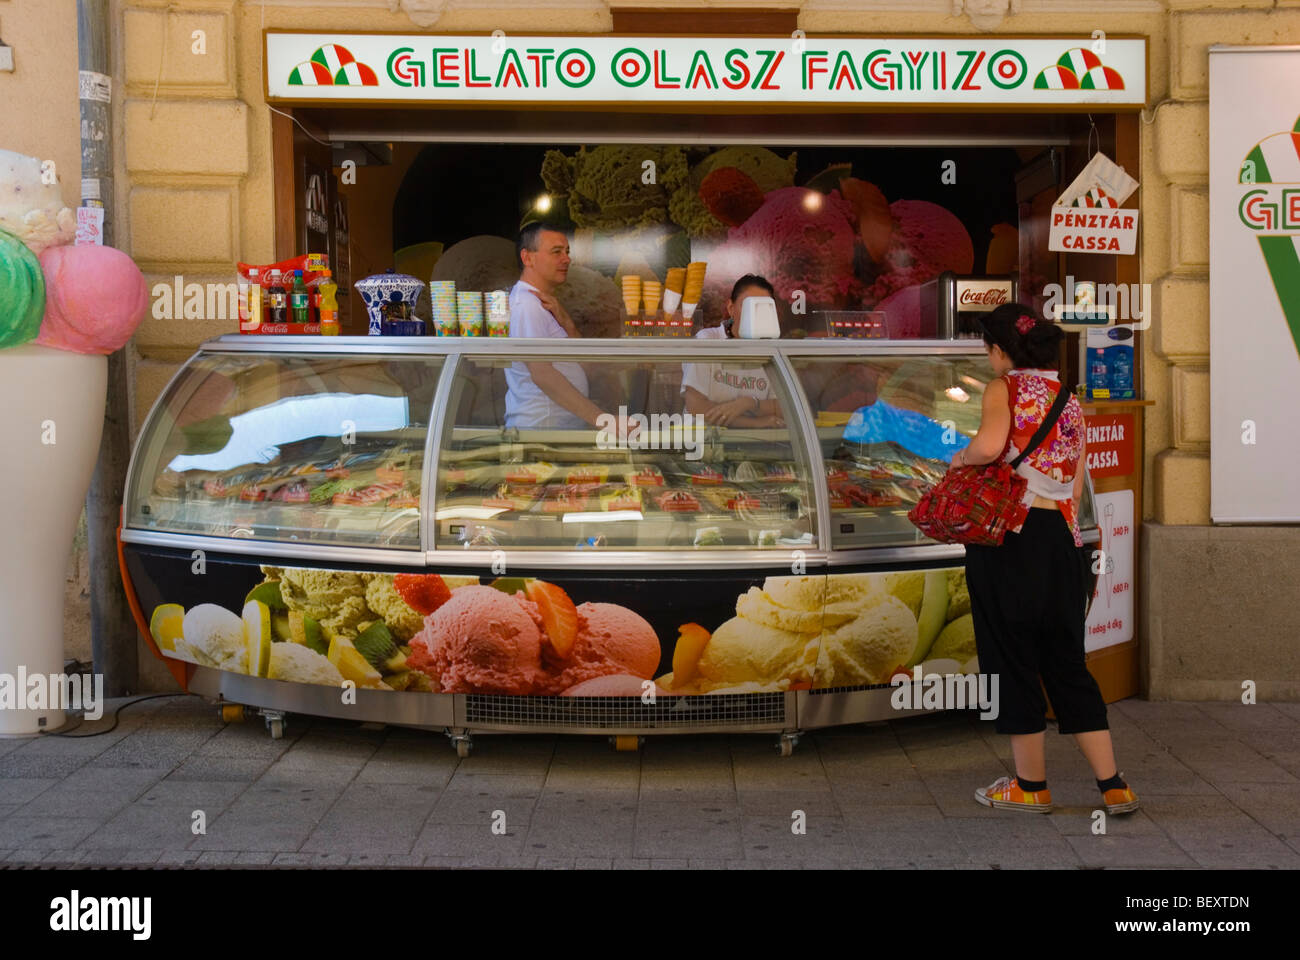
x: 963, y: 70
x: 434, y: 633
x: 1273, y: 213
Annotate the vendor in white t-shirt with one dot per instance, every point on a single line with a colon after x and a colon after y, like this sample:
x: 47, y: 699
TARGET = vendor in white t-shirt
x: 725, y: 394
x: 541, y: 393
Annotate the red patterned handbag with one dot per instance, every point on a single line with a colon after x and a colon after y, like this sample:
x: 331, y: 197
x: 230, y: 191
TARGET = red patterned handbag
x: 978, y: 504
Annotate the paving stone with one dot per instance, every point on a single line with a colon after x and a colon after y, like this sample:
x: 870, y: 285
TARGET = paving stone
x: 18, y: 791
x: 592, y: 863
x: 1128, y: 851
x: 310, y: 860
x: 554, y: 863
x: 181, y: 857
x: 903, y: 832
x: 150, y: 747
x: 404, y: 860
x: 217, y: 768
x: 671, y: 830
x: 771, y: 838
x: 581, y: 834
x: 45, y: 833
x: 252, y: 832
x: 469, y: 840
x: 442, y: 863
x: 1274, y: 806
x: 254, y: 858
x: 218, y: 857
x: 28, y: 855
x: 481, y: 809
x: 378, y: 819
x: 210, y: 796
x: 94, y: 792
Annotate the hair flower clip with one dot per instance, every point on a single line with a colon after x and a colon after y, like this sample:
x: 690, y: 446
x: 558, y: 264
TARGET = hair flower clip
x: 1025, y: 323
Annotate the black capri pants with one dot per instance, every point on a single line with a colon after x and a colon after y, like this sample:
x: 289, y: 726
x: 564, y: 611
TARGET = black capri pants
x: 1028, y: 601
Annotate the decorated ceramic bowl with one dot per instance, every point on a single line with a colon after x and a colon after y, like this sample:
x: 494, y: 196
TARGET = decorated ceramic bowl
x: 380, y: 290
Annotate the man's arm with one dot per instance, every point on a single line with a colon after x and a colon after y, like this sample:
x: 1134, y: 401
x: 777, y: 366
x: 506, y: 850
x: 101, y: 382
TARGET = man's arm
x: 554, y: 384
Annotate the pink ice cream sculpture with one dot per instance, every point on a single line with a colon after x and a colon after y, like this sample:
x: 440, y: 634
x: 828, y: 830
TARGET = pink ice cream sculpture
x: 485, y: 641
x: 799, y: 239
x: 927, y: 240
x: 95, y: 297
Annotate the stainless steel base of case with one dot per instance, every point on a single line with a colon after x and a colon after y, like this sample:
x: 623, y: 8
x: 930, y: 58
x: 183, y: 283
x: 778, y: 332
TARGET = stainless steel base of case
x: 774, y: 713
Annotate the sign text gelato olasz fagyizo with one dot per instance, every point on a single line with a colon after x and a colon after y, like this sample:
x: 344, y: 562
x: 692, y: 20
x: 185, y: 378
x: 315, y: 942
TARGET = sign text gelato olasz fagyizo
x: 1047, y: 71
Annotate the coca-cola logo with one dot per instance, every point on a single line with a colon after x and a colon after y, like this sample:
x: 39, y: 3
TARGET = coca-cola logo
x: 991, y: 297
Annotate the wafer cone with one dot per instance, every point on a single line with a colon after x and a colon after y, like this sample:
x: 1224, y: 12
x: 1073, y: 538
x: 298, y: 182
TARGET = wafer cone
x: 673, y: 286
x: 632, y: 293
x: 650, y: 293
x: 694, y: 287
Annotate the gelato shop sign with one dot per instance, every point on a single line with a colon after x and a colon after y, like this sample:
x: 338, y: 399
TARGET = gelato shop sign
x: 1039, y: 71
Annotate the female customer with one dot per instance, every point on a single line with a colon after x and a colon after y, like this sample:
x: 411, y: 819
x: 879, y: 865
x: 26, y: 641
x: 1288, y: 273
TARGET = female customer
x: 1028, y: 595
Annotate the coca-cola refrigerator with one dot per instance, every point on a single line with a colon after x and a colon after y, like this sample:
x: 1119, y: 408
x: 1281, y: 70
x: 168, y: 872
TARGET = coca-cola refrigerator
x: 951, y: 305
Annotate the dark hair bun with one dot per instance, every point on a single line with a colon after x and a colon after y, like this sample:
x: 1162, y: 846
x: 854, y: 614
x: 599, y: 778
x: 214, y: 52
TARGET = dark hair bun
x: 1038, y: 348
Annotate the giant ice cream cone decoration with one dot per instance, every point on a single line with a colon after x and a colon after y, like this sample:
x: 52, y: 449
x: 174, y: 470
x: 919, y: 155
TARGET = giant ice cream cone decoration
x: 674, y: 283
x: 694, y: 288
x: 1276, y: 159
x: 651, y: 290
x: 632, y: 293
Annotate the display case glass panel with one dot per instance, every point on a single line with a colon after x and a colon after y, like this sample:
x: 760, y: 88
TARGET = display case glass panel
x: 716, y: 464
x: 319, y: 449
x: 888, y: 428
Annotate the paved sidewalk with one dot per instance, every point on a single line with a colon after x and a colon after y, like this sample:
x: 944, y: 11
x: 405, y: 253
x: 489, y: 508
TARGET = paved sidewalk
x: 1220, y: 786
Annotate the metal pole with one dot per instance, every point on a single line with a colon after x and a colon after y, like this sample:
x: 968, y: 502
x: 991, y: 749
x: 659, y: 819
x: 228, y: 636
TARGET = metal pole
x: 113, y: 631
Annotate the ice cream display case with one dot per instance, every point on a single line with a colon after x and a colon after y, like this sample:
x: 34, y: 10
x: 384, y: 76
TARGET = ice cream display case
x: 348, y: 527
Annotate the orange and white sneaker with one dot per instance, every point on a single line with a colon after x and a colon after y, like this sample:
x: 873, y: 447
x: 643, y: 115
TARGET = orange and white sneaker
x: 1120, y: 800
x: 1005, y: 794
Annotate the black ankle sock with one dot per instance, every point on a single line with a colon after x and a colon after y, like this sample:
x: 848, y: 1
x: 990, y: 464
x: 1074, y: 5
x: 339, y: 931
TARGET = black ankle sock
x: 1031, y: 786
x: 1114, y: 783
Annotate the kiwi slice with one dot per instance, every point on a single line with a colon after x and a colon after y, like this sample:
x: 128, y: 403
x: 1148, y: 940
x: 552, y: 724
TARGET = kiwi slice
x: 376, y: 644
x: 268, y: 593
x: 511, y: 585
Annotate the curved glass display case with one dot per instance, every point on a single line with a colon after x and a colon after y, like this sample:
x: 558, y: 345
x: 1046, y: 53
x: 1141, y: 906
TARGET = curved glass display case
x: 703, y: 535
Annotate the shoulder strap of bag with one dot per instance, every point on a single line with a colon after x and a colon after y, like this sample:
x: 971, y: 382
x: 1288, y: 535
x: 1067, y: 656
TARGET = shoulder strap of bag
x: 1049, y: 421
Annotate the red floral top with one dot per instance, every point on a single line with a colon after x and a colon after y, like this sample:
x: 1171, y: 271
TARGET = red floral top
x: 1051, y: 468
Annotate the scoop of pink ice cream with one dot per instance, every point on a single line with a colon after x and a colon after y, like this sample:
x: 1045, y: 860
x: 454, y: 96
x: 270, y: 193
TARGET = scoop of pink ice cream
x: 902, y: 310
x: 611, y: 639
x: 95, y: 297
x: 480, y: 641
x: 799, y: 239
x: 927, y: 240
x: 613, y: 685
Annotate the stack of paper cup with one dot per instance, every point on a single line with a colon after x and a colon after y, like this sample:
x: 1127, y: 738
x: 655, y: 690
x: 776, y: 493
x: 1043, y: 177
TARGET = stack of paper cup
x: 673, y: 286
x: 651, y: 290
x: 498, y: 313
x: 469, y: 312
x: 694, y: 287
x: 442, y: 297
x: 632, y: 293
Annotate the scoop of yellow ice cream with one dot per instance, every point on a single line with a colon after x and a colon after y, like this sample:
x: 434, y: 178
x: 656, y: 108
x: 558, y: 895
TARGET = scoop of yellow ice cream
x: 741, y: 650
x: 797, y: 593
x: 759, y: 606
x: 958, y: 594
x: 866, y: 649
x: 386, y: 603
x: 908, y: 587
x: 956, y: 641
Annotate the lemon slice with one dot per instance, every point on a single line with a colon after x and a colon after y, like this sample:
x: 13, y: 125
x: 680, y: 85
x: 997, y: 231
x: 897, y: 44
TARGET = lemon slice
x: 257, y: 637
x: 165, y: 625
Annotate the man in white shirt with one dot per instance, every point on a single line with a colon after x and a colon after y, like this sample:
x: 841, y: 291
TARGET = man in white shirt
x: 727, y: 395
x: 544, y: 394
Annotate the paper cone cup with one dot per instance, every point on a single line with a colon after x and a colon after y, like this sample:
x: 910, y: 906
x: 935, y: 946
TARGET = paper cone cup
x: 651, y: 291
x: 688, y: 309
x: 672, y: 300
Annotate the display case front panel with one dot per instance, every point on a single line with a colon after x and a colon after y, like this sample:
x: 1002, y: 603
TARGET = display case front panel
x: 317, y: 449
x: 708, y: 457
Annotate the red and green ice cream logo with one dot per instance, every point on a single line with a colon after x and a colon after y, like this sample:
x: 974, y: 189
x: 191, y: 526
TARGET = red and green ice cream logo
x: 1078, y: 69
x: 1271, y: 207
x: 332, y: 66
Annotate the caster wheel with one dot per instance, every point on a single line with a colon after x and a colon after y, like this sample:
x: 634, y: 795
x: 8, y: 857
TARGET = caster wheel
x: 277, y: 728
x: 627, y: 742
x: 463, y: 748
x: 784, y: 747
x: 232, y: 713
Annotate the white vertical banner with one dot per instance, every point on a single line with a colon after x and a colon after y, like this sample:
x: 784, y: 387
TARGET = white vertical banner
x: 1254, y: 284
x: 1110, y: 618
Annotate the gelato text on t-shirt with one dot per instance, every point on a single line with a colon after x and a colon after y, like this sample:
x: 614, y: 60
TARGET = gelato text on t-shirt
x: 526, y: 404
x: 720, y: 382
x: 740, y: 381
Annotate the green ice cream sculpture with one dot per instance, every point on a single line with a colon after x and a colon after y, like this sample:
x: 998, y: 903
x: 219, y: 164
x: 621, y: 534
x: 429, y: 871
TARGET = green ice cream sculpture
x: 1276, y: 159
x: 62, y: 310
